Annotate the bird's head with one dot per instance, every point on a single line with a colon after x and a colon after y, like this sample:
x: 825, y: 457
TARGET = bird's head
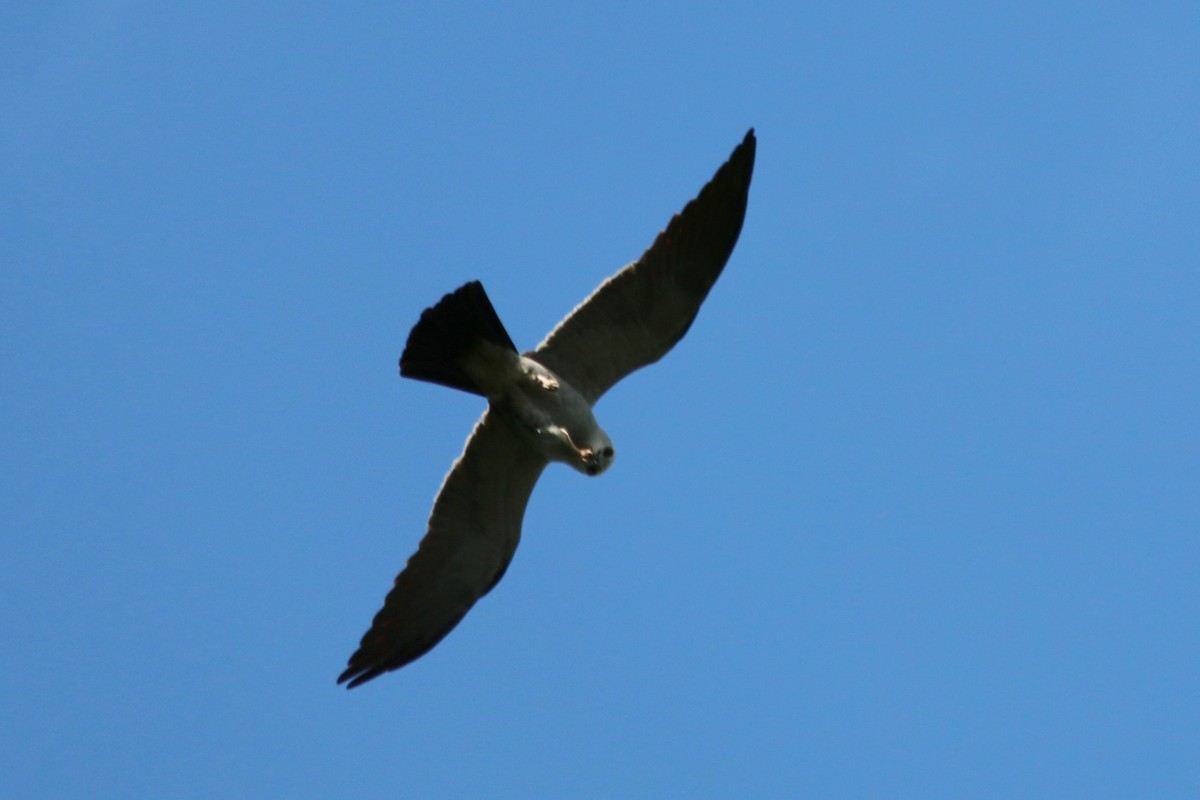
x: 594, y: 460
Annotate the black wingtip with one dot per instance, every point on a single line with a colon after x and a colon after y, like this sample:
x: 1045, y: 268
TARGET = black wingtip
x: 361, y: 669
x: 356, y: 677
x: 709, y: 225
x: 746, y: 150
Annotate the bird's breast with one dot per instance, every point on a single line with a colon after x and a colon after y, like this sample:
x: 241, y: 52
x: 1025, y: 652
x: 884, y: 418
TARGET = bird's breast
x: 550, y: 414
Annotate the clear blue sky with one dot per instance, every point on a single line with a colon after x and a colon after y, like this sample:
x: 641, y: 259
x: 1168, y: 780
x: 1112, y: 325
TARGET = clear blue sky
x: 913, y: 511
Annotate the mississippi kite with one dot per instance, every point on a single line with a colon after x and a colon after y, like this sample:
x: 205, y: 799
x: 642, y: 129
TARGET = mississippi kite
x: 539, y: 409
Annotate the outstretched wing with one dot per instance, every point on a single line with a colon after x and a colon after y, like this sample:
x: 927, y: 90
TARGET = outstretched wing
x: 473, y: 532
x: 635, y: 317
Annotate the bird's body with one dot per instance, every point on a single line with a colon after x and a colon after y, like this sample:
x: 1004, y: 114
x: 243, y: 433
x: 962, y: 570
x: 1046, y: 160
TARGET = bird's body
x: 539, y: 409
x: 544, y: 410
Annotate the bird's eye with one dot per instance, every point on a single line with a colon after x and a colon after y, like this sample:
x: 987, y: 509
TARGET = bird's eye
x: 608, y: 452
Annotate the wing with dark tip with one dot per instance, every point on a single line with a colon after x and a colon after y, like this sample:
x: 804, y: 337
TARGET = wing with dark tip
x: 635, y: 317
x: 473, y: 532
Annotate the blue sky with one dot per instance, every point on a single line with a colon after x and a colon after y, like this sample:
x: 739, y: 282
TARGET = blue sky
x: 911, y: 512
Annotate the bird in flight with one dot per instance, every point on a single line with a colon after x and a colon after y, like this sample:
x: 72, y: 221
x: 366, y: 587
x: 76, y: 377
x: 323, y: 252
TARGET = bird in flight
x: 539, y: 409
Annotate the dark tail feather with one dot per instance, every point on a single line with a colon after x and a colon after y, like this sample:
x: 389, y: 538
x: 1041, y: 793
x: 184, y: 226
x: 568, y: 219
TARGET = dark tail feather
x: 447, y: 332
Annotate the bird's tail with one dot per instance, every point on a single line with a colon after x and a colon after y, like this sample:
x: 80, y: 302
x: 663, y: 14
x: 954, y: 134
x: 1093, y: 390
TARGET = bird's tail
x: 450, y: 332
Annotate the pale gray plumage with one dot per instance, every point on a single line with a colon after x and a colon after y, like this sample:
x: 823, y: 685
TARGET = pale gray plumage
x: 539, y: 409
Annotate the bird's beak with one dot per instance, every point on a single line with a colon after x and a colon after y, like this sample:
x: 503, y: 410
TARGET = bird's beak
x: 591, y: 463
